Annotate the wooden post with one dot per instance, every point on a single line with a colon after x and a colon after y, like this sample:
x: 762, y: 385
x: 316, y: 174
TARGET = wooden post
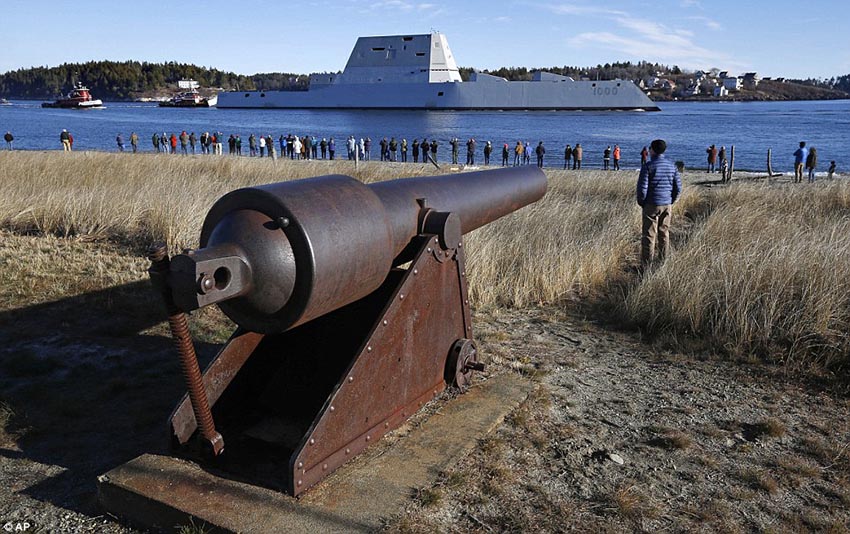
x: 728, y: 177
x: 769, y: 166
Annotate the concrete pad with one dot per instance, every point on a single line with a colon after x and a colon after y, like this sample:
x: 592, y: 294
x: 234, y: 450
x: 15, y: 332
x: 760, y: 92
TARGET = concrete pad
x: 160, y: 492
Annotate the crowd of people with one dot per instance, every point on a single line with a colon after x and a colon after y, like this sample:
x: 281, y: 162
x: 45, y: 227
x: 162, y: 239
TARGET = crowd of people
x: 311, y: 147
x: 392, y: 150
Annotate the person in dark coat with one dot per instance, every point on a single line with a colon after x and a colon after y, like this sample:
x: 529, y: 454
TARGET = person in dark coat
x: 658, y: 187
x: 812, y: 163
x: 540, y: 151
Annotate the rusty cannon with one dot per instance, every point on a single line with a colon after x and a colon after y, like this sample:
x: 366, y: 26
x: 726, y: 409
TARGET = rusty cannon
x: 352, y: 312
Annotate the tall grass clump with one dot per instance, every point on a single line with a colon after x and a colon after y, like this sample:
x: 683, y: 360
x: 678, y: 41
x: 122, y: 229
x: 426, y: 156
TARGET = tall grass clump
x: 569, y: 243
x: 756, y: 269
x: 137, y: 198
x: 768, y: 273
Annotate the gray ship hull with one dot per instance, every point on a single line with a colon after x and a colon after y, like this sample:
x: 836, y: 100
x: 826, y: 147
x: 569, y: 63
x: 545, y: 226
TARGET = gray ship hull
x: 494, y: 94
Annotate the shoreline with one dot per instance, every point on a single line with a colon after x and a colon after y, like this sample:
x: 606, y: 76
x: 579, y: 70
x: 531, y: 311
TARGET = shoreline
x: 444, y: 165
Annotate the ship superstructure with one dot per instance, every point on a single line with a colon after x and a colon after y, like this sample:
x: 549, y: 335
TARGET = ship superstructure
x: 420, y: 72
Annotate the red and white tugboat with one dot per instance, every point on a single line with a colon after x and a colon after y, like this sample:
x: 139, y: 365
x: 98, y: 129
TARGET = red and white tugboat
x: 78, y: 98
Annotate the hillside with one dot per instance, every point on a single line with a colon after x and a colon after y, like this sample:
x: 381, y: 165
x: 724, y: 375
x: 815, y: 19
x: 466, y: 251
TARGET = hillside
x: 130, y: 80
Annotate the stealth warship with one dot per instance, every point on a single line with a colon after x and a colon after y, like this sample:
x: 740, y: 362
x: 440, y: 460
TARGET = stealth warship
x: 420, y: 72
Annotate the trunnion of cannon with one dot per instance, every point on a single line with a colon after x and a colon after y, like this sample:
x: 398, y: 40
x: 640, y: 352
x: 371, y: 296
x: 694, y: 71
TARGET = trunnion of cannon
x: 352, y: 311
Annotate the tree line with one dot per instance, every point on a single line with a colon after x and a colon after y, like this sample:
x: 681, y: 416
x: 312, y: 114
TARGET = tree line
x: 841, y: 83
x: 127, y: 80
x: 625, y: 70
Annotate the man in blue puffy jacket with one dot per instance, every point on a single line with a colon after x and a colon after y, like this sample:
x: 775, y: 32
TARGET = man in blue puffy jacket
x: 658, y: 187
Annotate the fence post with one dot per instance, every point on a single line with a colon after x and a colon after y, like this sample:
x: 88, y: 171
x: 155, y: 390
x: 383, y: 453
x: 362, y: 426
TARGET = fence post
x: 728, y: 177
x: 769, y: 166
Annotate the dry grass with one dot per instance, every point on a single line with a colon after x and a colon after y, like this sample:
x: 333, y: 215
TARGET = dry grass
x: 758, y: 269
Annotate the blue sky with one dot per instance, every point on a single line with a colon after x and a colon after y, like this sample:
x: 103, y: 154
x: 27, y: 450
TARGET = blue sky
x: 777, y: 38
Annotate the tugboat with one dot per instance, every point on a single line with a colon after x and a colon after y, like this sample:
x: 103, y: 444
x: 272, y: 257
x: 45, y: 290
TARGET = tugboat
x: 78, y: 98
x: 189, y: 99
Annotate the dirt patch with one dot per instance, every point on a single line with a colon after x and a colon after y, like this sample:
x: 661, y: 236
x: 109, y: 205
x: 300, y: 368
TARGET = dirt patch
x: 620, y: 437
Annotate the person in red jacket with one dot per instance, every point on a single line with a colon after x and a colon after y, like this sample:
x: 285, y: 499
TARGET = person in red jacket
x: 616, y: 157
x: 173, y: 144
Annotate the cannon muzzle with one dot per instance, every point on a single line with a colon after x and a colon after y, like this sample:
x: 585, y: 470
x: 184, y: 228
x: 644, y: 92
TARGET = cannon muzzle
x: 276, y: 256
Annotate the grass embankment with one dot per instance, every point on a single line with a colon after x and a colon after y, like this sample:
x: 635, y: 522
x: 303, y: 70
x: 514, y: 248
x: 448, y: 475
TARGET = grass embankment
x: 758, y: 269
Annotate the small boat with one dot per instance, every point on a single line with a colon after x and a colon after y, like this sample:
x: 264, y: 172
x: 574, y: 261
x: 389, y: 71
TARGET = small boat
x: 189, y: 99
x: 78, y: 98
x: 4, y: 102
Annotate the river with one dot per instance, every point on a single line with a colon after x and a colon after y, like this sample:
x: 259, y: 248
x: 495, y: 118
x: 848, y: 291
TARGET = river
x: 688, y: 128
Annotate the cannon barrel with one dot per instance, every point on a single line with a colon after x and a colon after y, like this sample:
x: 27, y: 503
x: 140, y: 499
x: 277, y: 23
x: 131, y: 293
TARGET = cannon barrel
x: 278, y: 255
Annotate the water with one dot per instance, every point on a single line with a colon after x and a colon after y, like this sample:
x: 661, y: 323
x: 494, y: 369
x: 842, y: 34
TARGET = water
x: 688, y: 127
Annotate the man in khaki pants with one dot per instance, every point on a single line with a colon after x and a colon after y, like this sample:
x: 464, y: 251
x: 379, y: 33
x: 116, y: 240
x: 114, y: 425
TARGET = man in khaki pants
x: 659, y: 186
x: 65, y: 137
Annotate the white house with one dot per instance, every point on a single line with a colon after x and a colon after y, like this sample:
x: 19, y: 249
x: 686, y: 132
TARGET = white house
x: 732, y: 83
x: 751, y: 80
x: 721, y: 90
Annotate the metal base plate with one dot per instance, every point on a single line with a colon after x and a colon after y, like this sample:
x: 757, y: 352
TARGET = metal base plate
x: 160, y: 492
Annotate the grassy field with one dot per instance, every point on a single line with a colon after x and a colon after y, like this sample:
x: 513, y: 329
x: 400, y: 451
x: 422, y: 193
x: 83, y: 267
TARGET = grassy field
x: 759, y: 269
x: 759, y: 273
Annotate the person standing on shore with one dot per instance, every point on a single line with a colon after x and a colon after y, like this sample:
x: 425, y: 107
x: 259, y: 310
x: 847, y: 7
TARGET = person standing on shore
x: 404, y: 150
x: 184, y: 142
x: 163, y: 142
x: 349, y: 146
x: 454, y: 144
x: 829, y: 172
x: 616, y: 157
x: 721, y: 159
x: 134, y: 142
x: 518, y: 153
x: 488, y: 149
x: 540, y: 151
x: 470, y: 152
x: 505, y: 155
x: 65, y: 138
x: 644, y: 155
x: 193, y: 140
x: 526, y: 153
x: 606, y: 158
x: 577, y: 154
x: 119, y: 140
x: 393, y: 149
x: 331, y: 148
x: 9, y: 138
x: 800, y: 156
x: 712, y: 157
x: 323, y: 145
x: 434, y: 151
x: 155, y: 142
x: 219, y: 143
x: 416, y: 151
x: 658, y: 187
x: 812, y: 163
x: 568, y: 155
